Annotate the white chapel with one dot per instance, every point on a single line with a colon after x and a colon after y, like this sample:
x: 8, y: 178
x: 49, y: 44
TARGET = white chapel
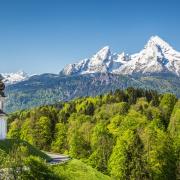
x: 3, y: 118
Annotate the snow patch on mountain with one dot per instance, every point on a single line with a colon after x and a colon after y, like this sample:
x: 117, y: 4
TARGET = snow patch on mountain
x: 12, y: 78
x: 156, y: 57
x: 103, y: 61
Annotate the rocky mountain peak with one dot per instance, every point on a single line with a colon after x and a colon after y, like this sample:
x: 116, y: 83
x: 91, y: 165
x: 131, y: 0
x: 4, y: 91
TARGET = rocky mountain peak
x: 156, y: 57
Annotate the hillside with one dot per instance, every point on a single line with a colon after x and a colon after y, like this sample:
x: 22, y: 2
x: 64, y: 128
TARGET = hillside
x: 78, y: 170
x: 73, y: 169
x: 8, y: 145
x: 51, y: 88
x: 127, y: 134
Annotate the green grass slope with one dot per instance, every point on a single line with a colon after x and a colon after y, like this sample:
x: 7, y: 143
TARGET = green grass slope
x: 8, y: 144
x: 77, y: 170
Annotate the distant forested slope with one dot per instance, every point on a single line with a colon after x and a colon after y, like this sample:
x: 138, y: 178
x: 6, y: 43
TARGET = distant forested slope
x: 50, y: 88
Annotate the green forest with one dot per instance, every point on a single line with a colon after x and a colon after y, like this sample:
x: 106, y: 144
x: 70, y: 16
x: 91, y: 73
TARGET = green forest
x: 125, y: 134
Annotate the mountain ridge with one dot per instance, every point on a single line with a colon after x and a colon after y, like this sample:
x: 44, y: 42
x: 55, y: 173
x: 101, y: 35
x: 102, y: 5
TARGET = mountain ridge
x: 157, y: 56
x: 12, y: 78
x: 51, y: 88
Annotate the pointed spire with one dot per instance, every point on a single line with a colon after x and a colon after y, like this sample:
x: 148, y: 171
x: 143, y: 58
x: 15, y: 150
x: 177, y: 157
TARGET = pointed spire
x: 157, y: 41
x: 103, y: 53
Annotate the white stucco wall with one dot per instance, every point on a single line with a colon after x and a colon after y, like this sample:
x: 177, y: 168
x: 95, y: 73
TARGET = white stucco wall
x: 3, y: 128
x: 2, y: 103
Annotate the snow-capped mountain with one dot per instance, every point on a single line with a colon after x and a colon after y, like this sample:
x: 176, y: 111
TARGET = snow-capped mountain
x: 103, y: 61
x: 12, y: 78
x: 156, y: 57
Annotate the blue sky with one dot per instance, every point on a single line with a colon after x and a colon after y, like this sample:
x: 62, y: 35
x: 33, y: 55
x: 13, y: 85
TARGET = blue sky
x: 44, y: 35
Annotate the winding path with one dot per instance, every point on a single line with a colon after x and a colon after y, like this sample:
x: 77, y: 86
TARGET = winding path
x: 57, y: 158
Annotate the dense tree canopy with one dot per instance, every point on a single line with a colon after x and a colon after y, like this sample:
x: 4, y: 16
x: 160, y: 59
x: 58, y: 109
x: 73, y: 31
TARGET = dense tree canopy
x: 131, y: 134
